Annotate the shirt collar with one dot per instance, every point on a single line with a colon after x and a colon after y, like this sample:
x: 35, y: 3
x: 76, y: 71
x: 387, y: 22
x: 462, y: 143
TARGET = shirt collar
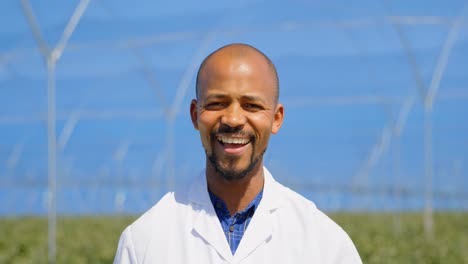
x: 272, y: 194
x: 223, y: 212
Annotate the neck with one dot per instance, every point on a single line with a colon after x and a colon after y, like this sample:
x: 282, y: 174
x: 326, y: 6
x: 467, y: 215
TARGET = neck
x: 236, y: 194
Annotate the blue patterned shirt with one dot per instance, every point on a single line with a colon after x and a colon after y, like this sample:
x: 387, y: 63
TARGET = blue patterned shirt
x: 234, y: 226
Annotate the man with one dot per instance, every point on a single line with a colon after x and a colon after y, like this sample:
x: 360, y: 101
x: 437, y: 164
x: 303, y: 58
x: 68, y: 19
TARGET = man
x: 235, y: 212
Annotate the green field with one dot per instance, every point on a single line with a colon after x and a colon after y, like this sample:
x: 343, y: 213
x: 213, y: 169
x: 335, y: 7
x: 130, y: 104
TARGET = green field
x: 377, y: 236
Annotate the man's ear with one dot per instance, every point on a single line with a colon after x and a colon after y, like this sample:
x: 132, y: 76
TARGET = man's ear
x: 277, y: 119
x: 194, y: 113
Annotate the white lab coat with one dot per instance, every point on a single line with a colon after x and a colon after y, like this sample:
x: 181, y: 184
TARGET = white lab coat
x: 286, y: 228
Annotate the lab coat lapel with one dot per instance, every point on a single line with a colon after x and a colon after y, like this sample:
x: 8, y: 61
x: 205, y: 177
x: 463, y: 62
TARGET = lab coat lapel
x: 206, y: 224
x: 259, y: 230
x: 261, y: 227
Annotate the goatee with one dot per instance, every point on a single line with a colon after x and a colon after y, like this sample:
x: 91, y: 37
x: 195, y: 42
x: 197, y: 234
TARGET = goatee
x: 229, y: 173
x: 232, y: 174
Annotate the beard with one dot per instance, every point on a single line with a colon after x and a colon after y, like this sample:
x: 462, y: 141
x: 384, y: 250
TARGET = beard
x: 229, y: 173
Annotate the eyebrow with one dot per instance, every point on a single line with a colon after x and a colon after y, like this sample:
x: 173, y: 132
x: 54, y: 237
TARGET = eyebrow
x: 246, y: 97
x: 254, y: 98
x: 216, y: 96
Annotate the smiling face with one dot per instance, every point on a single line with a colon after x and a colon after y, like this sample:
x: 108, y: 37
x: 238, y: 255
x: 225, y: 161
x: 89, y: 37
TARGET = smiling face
x: 236, y: 111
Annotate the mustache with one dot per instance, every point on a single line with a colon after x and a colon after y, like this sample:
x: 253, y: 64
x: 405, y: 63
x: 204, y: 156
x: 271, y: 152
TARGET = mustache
x: 224, y: 129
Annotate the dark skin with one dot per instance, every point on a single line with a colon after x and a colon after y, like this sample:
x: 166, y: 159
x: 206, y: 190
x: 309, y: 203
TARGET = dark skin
x: 237, y: 99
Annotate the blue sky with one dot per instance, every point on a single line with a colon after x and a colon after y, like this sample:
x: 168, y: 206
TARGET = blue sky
x: 345, y: 77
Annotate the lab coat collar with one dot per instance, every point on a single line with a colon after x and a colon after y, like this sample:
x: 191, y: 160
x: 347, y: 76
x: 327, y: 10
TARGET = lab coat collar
x: 271, y: 200
x: 260, y: 229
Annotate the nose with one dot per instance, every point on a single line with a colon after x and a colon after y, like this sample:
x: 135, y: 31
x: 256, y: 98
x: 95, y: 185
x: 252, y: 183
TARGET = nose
x: 233, y: 116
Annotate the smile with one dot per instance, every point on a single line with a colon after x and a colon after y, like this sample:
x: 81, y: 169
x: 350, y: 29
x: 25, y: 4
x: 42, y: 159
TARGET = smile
x: 233, y: 145
x: 233, y: 140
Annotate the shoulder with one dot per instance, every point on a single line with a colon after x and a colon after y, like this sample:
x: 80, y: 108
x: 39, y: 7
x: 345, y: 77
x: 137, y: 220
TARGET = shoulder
x: 135, y: 238
x: 312, y: 223
x: 290, y: 201
x: 303, y: 208
x: 170, y: 209
x: 155, y: 212
x: 167, y: 212
x: 141, y: 228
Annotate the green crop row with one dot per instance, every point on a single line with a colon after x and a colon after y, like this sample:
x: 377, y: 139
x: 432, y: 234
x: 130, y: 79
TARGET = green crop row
x: 379, y: 237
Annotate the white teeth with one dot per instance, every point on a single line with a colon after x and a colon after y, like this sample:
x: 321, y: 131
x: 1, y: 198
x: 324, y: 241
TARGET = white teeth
x: 230, y: 140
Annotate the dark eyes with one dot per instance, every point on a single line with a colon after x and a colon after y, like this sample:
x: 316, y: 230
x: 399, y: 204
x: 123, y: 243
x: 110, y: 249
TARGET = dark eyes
x: 253, y: 107
x: 222, y: 105
x: 215, y: 105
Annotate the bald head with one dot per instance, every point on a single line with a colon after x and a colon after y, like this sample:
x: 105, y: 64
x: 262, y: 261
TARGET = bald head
x: 233, y: 52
